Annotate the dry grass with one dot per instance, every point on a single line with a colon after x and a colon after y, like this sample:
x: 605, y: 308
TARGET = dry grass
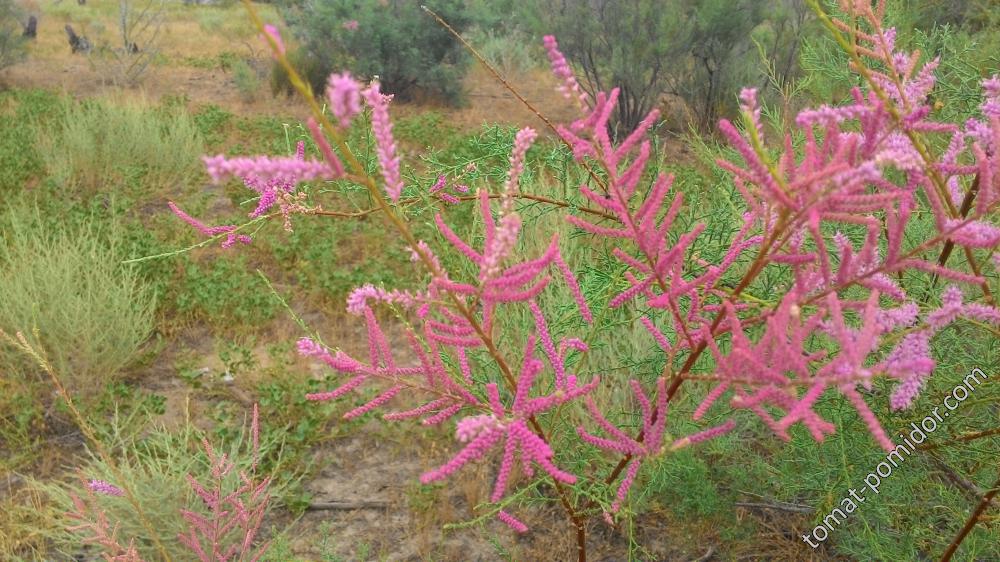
x: 186, y: 66
x: 24, y: 516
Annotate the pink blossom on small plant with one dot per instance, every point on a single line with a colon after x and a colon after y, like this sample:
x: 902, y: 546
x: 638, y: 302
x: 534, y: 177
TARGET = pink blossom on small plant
x: 105, y: 488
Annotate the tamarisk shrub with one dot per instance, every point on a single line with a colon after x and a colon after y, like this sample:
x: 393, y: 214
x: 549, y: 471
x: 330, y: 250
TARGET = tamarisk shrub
x: 829, y: 205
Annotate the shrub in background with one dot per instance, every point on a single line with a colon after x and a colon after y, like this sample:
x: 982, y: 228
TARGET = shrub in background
x: 140, y: 25
x: 246, y: 79
x: 394, y: 40
x: 11, y: 38
x: 511, y: 52
x: 311, y: 67
x: 699, y: 50
x: 92, y: 313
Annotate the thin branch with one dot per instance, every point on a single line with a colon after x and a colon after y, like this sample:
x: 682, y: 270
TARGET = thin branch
x: 971, y: 522
x: 962, y: 439
x: 531, y: 197
x: 780, y: 506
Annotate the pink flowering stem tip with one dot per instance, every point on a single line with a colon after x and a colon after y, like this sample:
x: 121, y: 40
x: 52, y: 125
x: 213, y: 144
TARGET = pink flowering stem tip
x: 211, y: 231
x: 384, y: 140
x: 569, y: 86
x: 272, y: 32
x: 105, y: 488
x: 344, y: 94
x: 512, y: 522
x: 289, y: 170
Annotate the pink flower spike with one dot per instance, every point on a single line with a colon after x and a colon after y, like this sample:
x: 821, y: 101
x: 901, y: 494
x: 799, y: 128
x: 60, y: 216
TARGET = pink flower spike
x: 623, y: 488
x: 265, y: 168
x: 324, y: 148
x: 868, y: 417
x: 974, y: 234
x: 376, y: 402
x: 350, y: 25
x: 473, y: 451
x: 386, y: 144
x: 522, y: 142
x: 710, y: 399
x: 574, y: 288
x: 570, y: 88
x: 511, y: 522
x: 231, y: 237
x: 703, y: 435
x: 344, y: 93
x: 105, y: 488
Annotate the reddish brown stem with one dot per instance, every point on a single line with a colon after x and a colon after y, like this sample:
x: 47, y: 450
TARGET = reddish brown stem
x: 529, y: 196
x: 949, y: 245
x: 971, y: 522
x: 963, y: 438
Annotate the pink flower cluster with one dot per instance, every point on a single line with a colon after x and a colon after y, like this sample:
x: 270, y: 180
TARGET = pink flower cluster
x: 569, y: 88
x: 273, y: 188
x: 453, y: 328
x: 440, y: 190
x: 860, y: 171
x: 384, y: 141
x: 105, y: 488
x: 344, y: 94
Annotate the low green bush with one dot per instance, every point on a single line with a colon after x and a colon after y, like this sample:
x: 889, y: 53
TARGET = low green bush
x: 66, y: 284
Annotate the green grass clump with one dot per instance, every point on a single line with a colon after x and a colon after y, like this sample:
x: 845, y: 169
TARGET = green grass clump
x: 91, y: 313
x: 102, y: 145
